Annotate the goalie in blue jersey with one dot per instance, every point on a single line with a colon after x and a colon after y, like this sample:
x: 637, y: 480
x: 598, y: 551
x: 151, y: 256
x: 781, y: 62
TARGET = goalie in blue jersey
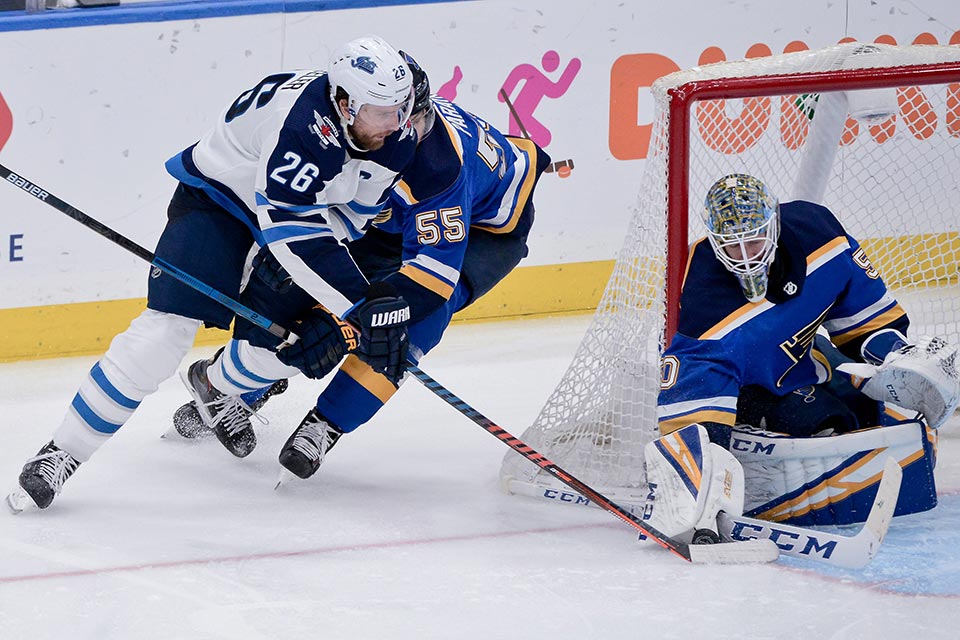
x: 455, y: 225
x: 779, y: 307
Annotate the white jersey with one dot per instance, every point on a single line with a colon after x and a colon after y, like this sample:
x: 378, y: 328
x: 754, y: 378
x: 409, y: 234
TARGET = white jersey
x: 277, y: 159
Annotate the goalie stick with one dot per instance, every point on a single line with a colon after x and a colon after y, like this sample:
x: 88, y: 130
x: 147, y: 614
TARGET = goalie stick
x: 741, y: 551
x: 726, y: 552
x: 851, y: 552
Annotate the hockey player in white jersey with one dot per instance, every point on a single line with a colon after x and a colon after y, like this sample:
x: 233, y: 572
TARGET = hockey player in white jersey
x: 769, y: 277
x: 457, y: 224
x: 297, y: 165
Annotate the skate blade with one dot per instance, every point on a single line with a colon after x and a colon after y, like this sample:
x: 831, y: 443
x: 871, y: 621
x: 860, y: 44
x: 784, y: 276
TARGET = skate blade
x: 18, y: 500
x: 173, y: 434
x: 284, y: 477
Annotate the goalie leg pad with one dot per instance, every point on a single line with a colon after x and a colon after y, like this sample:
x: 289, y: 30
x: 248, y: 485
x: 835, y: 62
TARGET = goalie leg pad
x: 831, y: 480
x: 691, y: 480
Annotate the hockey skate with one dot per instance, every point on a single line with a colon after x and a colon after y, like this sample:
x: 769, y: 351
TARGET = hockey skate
x: 42, y: 478
x: 227, y: 416
x: 188, y: 422
x: 305, y: 449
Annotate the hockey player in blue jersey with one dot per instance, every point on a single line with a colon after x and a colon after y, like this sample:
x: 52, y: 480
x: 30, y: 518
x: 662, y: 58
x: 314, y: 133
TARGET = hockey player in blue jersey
x: 776, y: 298
x: 297, y: 165
x: 455, y: 225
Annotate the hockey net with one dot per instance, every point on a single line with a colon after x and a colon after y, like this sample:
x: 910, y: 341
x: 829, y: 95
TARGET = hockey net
x: 870, y: 131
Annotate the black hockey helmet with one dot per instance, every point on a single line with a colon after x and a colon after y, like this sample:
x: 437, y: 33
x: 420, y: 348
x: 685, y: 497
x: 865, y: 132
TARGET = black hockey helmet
x: 422, y: 106
x: 421, y: 84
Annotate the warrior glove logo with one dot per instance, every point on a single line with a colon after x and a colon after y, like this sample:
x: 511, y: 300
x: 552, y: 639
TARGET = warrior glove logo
x: 390, y: 318
x: 364, y: 63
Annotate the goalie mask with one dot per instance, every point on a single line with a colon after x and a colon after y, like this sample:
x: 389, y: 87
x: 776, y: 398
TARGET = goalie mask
x: 742, y: 221
x: 371, y: 74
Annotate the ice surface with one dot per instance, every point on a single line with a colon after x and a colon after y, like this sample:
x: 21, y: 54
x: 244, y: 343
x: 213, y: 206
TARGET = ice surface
x: 404, y: 532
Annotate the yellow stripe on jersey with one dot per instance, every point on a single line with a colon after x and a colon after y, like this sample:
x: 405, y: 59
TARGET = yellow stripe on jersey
x: 402, y: 189
x: 709, y: 415
x: 453, y: 135
x: 882, y: 320
x: 526, y: 188
x: 366, y: 377
x: 832, y: 246
x: 735, y: 319
x: 427, y: 280
x: 819, y: 356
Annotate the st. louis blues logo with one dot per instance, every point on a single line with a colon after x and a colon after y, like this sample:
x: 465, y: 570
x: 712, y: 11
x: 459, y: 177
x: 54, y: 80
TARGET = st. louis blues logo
x: 364, y: 63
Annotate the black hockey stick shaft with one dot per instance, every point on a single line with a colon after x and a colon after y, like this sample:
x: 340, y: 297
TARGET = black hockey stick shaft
x: 48, y: 198
x: 513, y: 112
x: 553, y: 166
x: 679, y: 548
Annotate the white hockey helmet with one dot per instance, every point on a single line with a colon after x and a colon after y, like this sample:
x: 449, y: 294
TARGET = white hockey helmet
x: 370, y: 71
x: 743, y: 225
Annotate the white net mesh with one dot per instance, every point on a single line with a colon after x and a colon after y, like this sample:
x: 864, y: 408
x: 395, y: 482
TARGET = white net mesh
x: 885, y: 160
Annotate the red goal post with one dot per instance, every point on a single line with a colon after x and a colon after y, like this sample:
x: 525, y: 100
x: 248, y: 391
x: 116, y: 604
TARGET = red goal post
x: 871, y: 131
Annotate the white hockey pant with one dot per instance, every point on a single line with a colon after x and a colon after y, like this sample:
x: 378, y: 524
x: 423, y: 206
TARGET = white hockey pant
x: 138, y: 360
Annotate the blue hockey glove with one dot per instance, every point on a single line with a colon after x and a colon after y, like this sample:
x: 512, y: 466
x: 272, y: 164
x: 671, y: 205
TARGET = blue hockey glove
x: 268, y: 269
x: 383, y: 322
x: 324, y: 340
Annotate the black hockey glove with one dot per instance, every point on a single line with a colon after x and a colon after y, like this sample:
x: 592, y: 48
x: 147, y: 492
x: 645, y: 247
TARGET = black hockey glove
x: 268, y: 269
x: 324, y: 340
x: 383, y: 322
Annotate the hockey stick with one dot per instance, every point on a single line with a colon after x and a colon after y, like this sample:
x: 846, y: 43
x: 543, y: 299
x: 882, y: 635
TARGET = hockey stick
x: 728, y: 552
x: 553, y: 166
x: 48, y: 198
x: 852, y: 552
x: 812, y: 544
x: 696, y: 553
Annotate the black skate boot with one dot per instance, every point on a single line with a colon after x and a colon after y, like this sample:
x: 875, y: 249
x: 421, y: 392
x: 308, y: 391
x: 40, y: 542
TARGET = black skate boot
x: 43, y: 476
x: 306, y: 447
x: 227, y: 416
x: 189, y: 423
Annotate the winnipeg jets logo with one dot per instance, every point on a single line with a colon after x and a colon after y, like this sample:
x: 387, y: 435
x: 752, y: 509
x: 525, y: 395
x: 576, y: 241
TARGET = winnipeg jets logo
x: 364, y: 63
x: 325, y: 130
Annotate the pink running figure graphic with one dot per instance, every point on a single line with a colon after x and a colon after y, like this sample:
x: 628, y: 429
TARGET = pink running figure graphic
x: 536, y: 86
x: 448, y: 90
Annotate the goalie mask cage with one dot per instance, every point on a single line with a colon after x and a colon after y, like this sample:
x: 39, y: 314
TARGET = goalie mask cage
x: 871, y: 131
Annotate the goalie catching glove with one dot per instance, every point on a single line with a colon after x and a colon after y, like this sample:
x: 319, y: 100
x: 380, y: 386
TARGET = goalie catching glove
x: 384, y: 343
x: 691, y: 481
x: 921, y: 377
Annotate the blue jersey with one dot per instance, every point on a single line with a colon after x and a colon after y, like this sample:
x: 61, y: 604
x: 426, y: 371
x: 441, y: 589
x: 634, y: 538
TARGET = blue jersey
x: 465, y: 175
x: 277, y: 159
x: 819, y: 278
